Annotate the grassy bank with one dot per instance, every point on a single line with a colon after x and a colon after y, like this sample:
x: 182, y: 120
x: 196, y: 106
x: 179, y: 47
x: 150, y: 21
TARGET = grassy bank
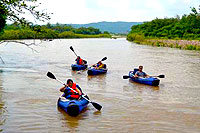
x: 173, y: 43
x: 29, y: 34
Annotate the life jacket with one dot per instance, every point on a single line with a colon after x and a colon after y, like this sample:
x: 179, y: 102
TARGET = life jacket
x: 74, y: 94
x: 100, y: 66
x: 80, y: 61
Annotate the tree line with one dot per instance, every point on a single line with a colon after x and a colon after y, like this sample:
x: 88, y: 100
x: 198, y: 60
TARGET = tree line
x: 49, y: 31
x: 185, y: 27
x: 21, y: 28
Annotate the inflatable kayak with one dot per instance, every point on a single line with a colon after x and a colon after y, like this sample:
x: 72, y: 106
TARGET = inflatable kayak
x: 76, y: 67
x: 93, y: 71
x: 72, y: 107
x: 148, y: 81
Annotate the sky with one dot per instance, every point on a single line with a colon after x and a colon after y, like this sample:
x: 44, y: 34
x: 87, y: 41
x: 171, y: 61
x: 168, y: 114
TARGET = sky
x: 88, y: 11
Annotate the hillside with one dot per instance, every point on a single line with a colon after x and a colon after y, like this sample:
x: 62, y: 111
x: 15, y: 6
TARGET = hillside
x: 112, y: 27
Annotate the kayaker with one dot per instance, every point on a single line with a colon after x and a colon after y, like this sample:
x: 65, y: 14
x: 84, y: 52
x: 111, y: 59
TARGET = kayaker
x: 140, y: 73
x: 99, y: 65
x: 79, y: 61
x: 71, y: 90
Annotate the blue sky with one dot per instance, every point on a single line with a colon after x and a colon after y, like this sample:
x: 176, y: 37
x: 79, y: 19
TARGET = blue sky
x: 87, y: 11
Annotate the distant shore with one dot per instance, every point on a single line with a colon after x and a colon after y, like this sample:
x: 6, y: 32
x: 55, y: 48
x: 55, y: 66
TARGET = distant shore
x: 181, y: 44
x: 172, y: 43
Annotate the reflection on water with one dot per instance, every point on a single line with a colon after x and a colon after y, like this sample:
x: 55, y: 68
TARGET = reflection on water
x: 143, y: 86
x: 28, y: 98
x: 97, y: 78
x: 71, y: 122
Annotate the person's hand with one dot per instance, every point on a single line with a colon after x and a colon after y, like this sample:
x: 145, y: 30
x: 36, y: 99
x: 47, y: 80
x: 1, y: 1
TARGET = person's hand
x: 80, y: 97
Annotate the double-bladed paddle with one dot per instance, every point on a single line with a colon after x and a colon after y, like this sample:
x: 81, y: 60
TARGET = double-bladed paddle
x: 73, y: 50
x: 85, y: 62
x: 105, y: 58
x: 159, y: 76
x: 96, y: 105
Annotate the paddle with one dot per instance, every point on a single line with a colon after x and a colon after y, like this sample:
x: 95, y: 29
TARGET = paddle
x: 159, y: 76
x: 73, y: 50
x: 105, y: 58
x: 96, y: 105
x: 125, y: 77
x: 85, y: 62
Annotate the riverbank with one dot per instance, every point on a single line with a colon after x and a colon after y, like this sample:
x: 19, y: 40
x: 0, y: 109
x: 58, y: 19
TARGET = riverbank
x: 172, y: 43
x: 15, y: 35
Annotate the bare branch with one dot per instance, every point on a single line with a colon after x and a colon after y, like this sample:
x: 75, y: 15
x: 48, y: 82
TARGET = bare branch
x: 2, y: 60
x: 23, y: 43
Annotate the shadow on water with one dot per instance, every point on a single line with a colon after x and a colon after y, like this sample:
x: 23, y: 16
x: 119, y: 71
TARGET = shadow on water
x: 101, y: 77
x: 143, y: 86
x: 73, y: 73
x: 72, y: 122
x: 96, y: 113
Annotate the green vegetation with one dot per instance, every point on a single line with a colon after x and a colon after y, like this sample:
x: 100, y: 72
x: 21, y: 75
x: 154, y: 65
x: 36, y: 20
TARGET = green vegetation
x: 163, y: 32
x: 13, y: 10
x: 16, y: 31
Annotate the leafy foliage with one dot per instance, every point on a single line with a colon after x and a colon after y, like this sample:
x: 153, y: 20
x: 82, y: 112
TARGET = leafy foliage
x: 187, y: 27
x: 3, y: 16
x: 13, y: 9
x: 16, y: 31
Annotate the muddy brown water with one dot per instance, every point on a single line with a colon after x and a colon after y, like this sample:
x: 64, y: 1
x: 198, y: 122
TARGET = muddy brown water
x: 28, y: 98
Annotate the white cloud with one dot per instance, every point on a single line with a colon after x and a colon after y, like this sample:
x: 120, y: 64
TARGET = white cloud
x: 86, y: 11
x: 187, y: 1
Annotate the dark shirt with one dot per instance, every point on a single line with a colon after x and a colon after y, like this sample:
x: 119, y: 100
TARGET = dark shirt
x: 141, y: 74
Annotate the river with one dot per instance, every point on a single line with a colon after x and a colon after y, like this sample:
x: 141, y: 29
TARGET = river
x: 28, y: 98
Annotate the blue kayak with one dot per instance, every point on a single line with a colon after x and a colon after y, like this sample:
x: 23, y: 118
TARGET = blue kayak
x: 72, y: 107
x: 148, y: 81
x: 93, y: 71
x: 76, y: 67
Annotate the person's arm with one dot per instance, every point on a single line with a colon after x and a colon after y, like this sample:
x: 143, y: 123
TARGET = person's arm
x: 136, y: 75
x: 62, y: 89
x: 146, y: 75
x: 79, y: 89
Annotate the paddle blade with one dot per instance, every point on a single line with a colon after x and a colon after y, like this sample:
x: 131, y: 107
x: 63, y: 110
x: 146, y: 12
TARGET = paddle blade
x: 85, y: 62
x: 125, y: 77
x: 105, y: 58
x: 50, y: 75
x: 97, y: 106
x: 71, y: 48
x: 161, y: 76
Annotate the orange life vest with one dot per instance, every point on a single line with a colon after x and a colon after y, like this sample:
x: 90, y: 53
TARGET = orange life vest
x: 80, y: 61
x: 74, y: 94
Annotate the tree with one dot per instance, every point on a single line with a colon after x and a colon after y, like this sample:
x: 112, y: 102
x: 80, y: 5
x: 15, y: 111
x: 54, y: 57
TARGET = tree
x: 3, y: 16
x: 13, y: 9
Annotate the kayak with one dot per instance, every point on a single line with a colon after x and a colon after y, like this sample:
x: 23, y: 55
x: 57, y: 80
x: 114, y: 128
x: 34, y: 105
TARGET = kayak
x: 93, y: 71
x: 148, y: 81
x: 72, y: 107
x: 76, y: 67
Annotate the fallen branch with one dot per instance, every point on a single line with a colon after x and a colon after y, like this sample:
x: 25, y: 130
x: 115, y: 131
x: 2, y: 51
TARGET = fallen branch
x: 23, y: 43
x: 2, y: 60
